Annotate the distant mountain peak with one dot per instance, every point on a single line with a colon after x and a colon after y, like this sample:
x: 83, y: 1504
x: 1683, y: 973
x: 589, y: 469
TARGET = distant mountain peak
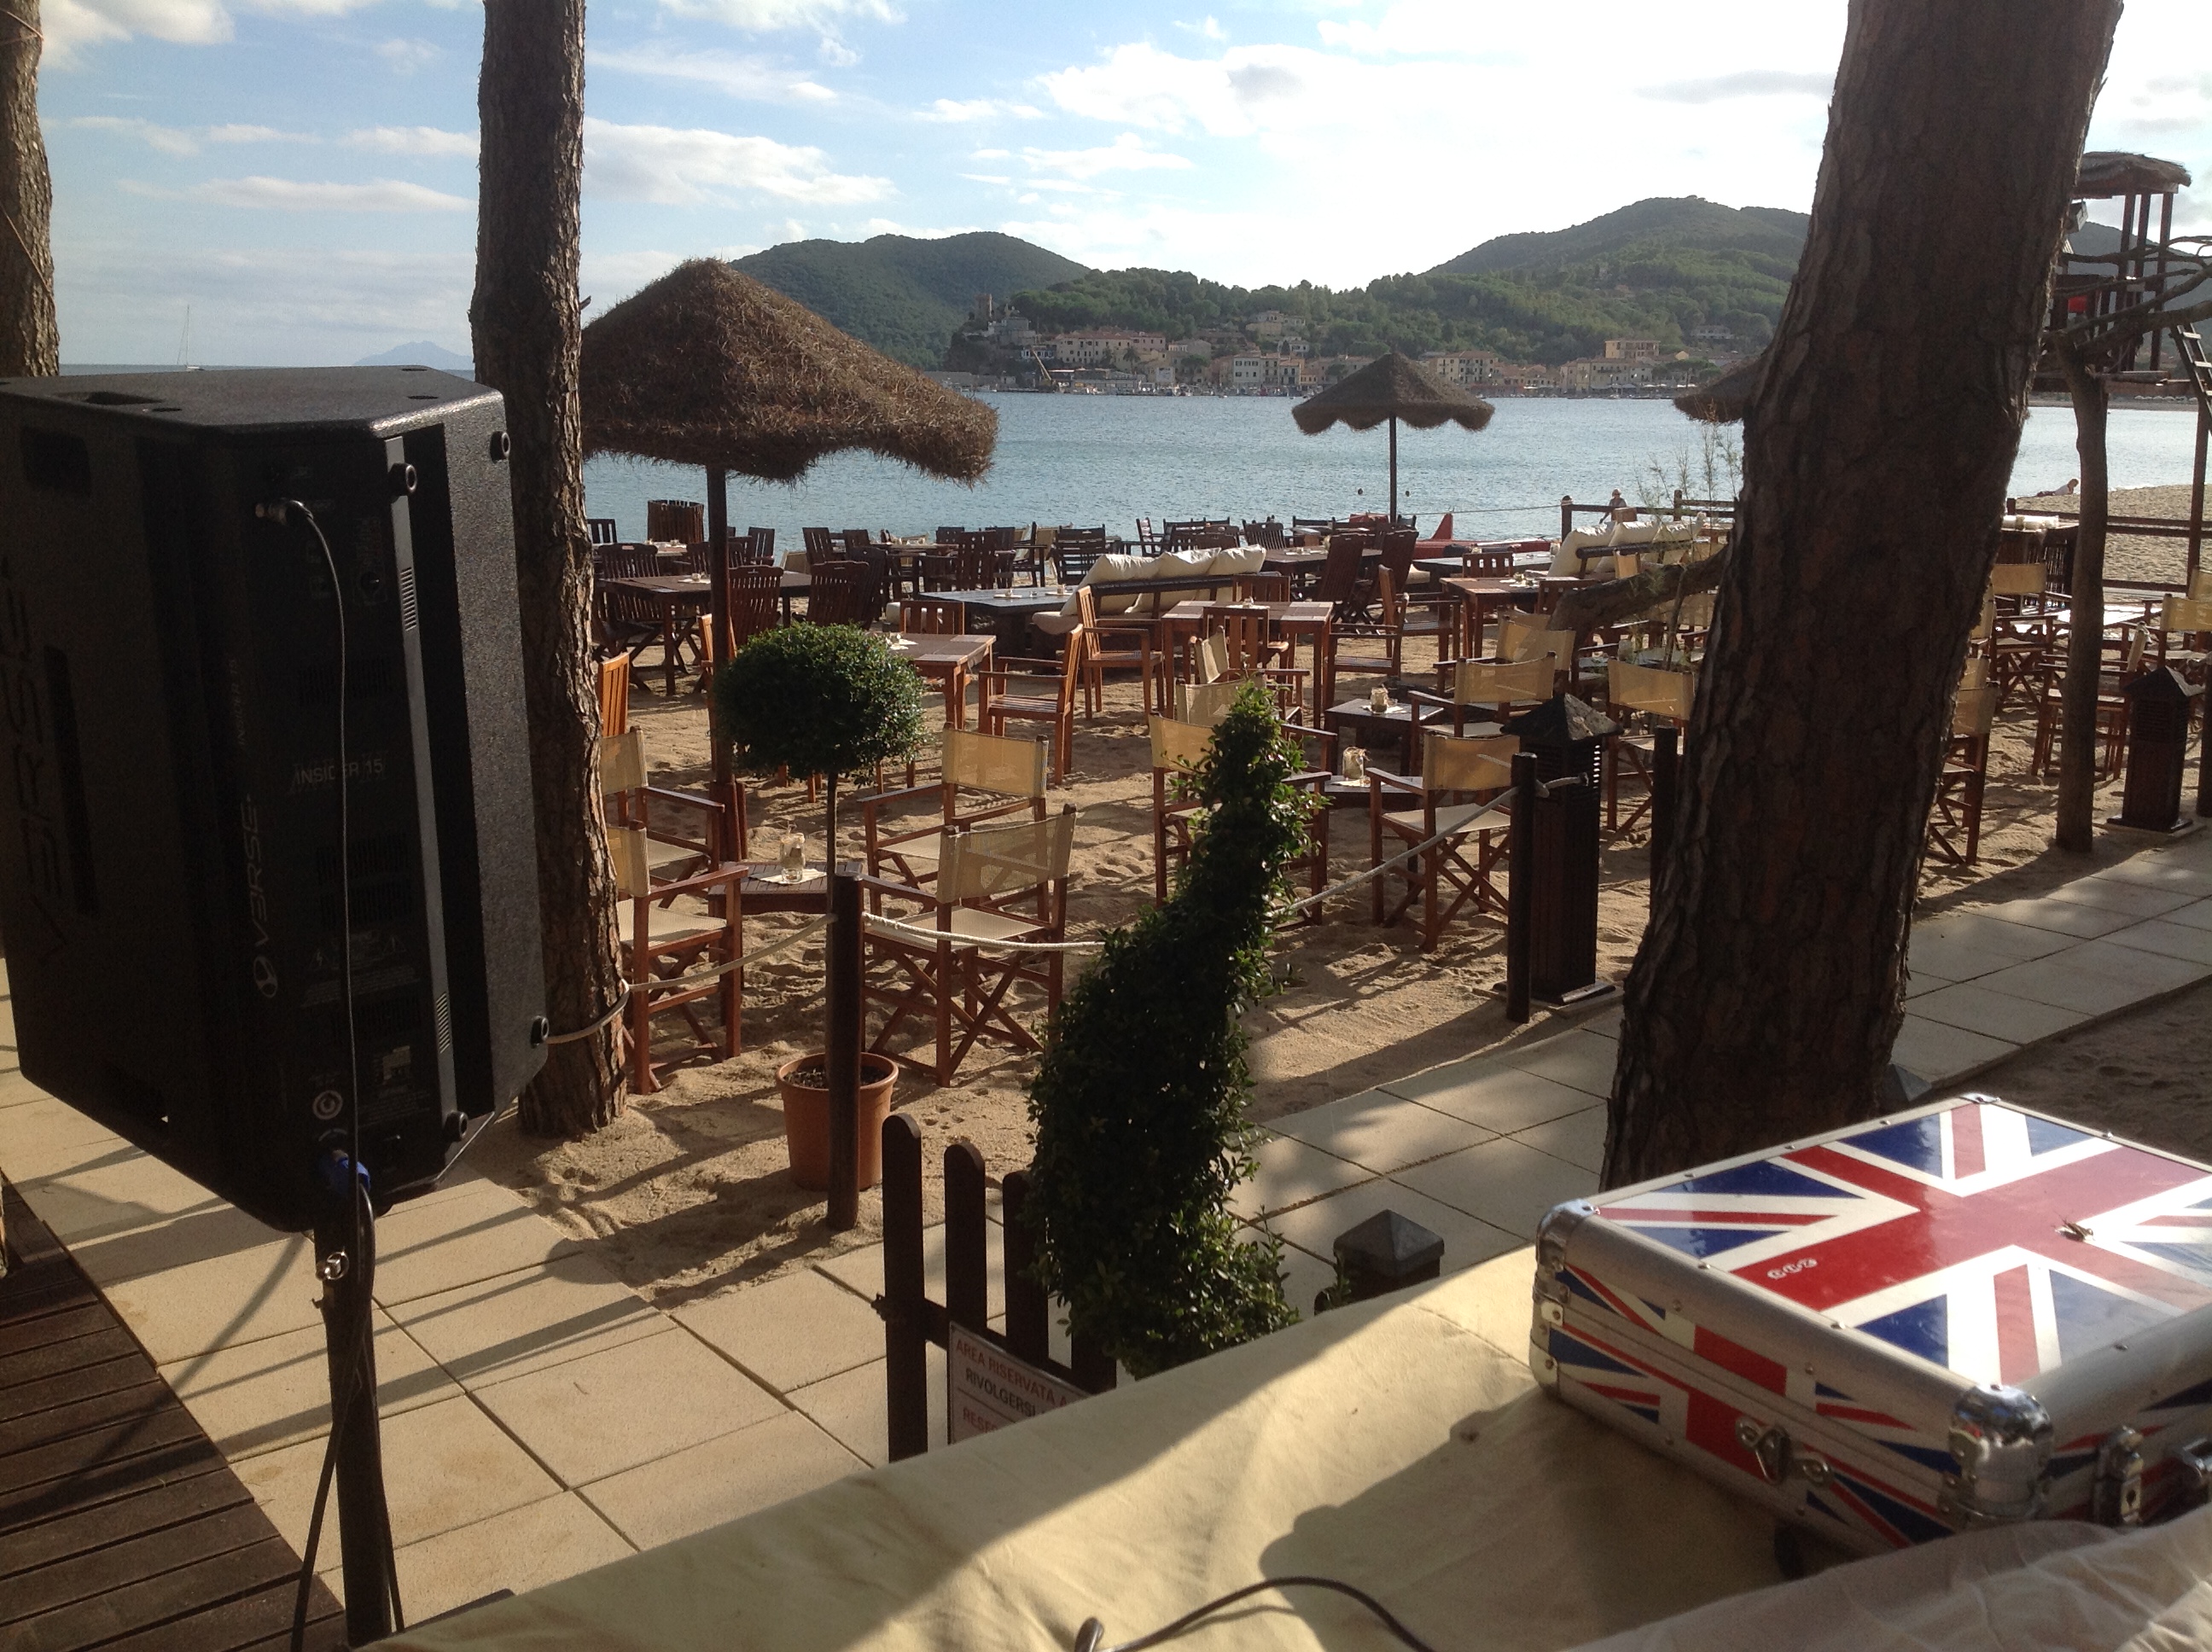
x: 1658, y: 222
x: 420, y: 354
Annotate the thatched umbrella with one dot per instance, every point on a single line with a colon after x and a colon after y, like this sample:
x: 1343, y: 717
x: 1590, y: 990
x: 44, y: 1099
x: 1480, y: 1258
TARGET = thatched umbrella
x: 707, y: 367
x: 1723, y: 400
x: 1391, y: 387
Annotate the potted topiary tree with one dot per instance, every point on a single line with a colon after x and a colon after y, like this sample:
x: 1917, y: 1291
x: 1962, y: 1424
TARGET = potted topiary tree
x: 827, y: 700
x: 1138, y: 1101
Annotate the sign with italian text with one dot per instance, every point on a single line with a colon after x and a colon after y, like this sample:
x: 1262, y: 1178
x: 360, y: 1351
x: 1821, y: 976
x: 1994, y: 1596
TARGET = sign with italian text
x: 990, y: 1388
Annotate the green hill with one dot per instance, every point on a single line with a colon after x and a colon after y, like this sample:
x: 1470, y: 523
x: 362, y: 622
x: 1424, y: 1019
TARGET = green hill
x: 1657, y: 268
x: 903, y: 295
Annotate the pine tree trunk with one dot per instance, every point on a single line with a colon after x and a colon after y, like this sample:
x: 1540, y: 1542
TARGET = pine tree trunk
x: 30, y: 342
x: 2085, y: 646
x: 527, y: 329
x: 1769, y: 987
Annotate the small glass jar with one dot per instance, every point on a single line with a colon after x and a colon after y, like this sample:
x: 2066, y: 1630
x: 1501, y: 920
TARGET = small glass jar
x: 1355, y: 763
x: 1378, y: 701
x: 791, y: 856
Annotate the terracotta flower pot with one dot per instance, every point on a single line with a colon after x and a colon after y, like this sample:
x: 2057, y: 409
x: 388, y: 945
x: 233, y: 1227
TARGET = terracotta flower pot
x: 807, y: 1119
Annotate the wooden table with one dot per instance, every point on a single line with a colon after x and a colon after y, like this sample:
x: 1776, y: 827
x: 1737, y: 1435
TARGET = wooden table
x: 1006, y: 614
x: 1288, y: 620
x: 946, y: 659
x: 1398, y: 728
x: 1304, y: 566
x: 678, y: 601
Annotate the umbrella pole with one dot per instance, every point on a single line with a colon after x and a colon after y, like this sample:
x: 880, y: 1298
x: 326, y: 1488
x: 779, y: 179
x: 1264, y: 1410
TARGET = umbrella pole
x: 1393, y: 518
x: 718, y: 600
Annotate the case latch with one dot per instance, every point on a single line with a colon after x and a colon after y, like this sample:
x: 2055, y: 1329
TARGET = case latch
x: 1778, y: 1455
x: 2115, y: 1498
x: 2196, y: 1462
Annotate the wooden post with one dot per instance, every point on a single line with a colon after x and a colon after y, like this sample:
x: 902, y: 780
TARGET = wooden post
x: 906, y: 1369
x: 1663, y: 776
x: 842, y: 1042
x: 1521, y: 890
x: 717, y: 604
x: 2196, y: 493
x: 1027, y: 1329
x: 967, y: 1258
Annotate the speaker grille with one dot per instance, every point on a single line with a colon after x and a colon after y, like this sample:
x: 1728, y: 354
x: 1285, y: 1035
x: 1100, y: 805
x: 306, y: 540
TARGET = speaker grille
x: 409, y: 614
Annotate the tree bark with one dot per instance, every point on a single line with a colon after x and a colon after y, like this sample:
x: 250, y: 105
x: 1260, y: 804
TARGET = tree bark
x: 1768, y: 991
x: 30, y: 340
x: 2085, y: 644
x: 1593, y: 606
x: 527, y: 328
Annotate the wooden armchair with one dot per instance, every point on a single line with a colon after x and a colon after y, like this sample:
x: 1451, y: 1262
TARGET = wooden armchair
x: 614, y: 695
x: 1376, y: 645
x: 923, y: 616
x: 1035, y: 691
x: 1657, y: 696
x: 1003, y: 883
x: 981, y: 777
x: 665, y: 942
x: 1249, y: 649
x: 1344, y: 582
x: 2112, y: 711
x: 1458, y: 781
x: 837, y: 593
x: 1490, y: 687
x: 1954, y: 818
x: 1126, y: 642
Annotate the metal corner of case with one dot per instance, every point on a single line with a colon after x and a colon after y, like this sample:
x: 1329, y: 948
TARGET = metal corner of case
x: 1553, y: 1235
x: 1543, y: 1364
x: 2001, y: 1438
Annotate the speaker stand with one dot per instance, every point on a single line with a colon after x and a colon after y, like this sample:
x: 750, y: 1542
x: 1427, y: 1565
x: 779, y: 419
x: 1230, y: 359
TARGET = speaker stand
x: 349, y: 1333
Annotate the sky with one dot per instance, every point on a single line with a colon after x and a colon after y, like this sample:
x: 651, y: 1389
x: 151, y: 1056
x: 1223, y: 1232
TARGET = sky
x: 263, y: 182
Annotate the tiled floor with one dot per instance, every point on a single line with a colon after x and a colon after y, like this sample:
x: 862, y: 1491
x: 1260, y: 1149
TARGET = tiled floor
x: 542, y: 1417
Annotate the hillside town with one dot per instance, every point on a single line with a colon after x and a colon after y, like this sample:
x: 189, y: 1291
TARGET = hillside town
x: 1267, y: 354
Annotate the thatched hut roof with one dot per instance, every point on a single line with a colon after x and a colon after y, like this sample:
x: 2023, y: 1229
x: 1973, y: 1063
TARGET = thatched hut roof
x: 2106, y: 173
x: 1723, y: 400
x: 1390, y: 386
x: 707, y: 367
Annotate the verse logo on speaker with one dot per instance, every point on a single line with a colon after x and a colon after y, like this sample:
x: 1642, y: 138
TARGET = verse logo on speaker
x: 257, y: 898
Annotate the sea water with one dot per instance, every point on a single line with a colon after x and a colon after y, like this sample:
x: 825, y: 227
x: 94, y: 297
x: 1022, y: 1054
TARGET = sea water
x: 1088, y: 460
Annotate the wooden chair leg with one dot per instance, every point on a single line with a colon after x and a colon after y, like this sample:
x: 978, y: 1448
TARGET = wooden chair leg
x: 641, y: 1038
x: 1374, y: 860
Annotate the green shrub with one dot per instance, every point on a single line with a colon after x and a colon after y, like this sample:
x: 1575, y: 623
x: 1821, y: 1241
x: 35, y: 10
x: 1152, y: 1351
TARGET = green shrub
x: 1138, y: 1101
x: 827, y: 700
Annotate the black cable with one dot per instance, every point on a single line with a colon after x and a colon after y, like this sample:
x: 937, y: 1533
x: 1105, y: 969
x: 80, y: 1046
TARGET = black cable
x: 358, y: 1247
x: 1087, y: 1638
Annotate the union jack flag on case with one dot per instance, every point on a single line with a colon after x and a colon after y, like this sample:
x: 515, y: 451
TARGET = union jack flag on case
x: 1964, y: 1314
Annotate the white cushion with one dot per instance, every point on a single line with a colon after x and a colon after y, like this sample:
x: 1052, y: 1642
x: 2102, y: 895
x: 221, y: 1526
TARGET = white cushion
x: 1565, y: 557
x: 1245, y: 559
x: 1108, y: 570
x: 1629, y: 535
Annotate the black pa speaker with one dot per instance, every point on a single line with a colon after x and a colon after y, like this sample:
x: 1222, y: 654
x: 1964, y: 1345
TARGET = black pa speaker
x: 170, y: 877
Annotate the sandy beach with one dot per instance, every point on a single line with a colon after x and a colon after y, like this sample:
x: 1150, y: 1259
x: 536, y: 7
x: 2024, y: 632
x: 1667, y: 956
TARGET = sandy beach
x: 688, y: 1192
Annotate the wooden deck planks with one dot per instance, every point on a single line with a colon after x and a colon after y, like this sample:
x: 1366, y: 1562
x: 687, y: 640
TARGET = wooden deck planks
x: 121, y: 1526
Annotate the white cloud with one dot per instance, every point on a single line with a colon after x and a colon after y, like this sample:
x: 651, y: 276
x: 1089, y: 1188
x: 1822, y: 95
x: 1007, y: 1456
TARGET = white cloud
x: 770, y: 16
x: 737, y: 75
x: 411, y: 140
x: 1747, y: 83
x: 406, y: 56
x: 186, y: 140
x: 70, y: 25
x: 1127, y: 152
x: 290, y: 195
x: 696, y: 167
x: 836, y: 54
x: 958, y: 111
x: 1208, y: 30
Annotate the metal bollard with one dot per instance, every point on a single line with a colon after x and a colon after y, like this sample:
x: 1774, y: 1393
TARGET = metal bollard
x: 1386, y: 1252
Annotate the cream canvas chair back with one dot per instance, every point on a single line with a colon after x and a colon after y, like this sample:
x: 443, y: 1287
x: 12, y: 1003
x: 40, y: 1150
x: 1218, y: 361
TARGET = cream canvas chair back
x: 995, y: 762
x: 1697, y: 611
x: 1451, y: 762
x: 1523, y: 640
x: 2187, y: 614
x: 1974, y: 711
x: 2135, y: 642
x: 633, y: 874
x: 1178, y: 744
x: 1986, y: 625
x: 1476, y: 683
x: 1975, y: 673
x: 2200, y: 586
x: 622, y: 762
x: 1647, y: 688
x: 992, y: 862
x: 1205, y: 703
x: 2017, y: 580
x: 1213, y: 657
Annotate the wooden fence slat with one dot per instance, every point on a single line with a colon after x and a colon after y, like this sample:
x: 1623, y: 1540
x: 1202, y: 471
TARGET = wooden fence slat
x: 966, y: 1254
x: 906, y: 1369
x: 1028, y: 1315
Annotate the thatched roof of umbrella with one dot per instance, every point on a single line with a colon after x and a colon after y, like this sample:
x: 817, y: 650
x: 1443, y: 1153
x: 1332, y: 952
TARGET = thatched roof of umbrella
x: 1387, y: 387
x: 2109, y: 173
x: 707, y: 367
x: 1723, y: 400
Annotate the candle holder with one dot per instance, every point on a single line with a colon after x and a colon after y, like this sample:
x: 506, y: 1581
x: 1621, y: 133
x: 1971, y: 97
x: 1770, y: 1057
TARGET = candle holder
x: 791, y: 856
x: 1378, y: 701
x: 1355, y: 763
